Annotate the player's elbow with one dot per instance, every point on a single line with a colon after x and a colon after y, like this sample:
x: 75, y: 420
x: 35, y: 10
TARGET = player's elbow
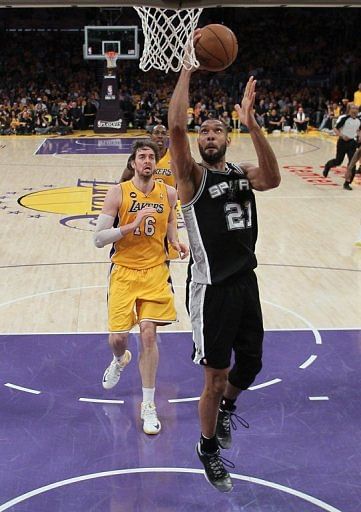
x: 276, y: 181
x: 268, y: 184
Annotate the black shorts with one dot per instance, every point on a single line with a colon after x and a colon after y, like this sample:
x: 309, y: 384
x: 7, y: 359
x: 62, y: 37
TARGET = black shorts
x: 226, y: 317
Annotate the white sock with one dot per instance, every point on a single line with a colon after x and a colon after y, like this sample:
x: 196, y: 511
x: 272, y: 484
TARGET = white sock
x: 148, y: 394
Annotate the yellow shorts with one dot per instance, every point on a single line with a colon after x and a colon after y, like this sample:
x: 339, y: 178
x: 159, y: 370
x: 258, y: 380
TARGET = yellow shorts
x: 138, y: 295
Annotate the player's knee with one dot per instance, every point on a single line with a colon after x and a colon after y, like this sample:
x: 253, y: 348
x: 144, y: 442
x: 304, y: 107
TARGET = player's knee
x: 216, y: 384
x: 148, y: 335
x: 243, y: 375
x: 118, y: 340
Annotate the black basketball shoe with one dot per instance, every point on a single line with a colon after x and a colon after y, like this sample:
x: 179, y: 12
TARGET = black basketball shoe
x: 226, y: 420
x: 215, y: 471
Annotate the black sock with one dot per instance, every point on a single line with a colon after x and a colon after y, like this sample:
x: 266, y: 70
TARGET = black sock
x: 227, y: 404
x: 209, y: 445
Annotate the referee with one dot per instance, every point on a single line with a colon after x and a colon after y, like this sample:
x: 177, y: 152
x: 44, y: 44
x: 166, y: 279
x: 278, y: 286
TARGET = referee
x: 347, y: 128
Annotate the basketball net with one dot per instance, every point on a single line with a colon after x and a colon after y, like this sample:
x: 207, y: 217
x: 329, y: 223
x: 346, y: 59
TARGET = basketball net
x: 111, y: 58
x: 168, y: 38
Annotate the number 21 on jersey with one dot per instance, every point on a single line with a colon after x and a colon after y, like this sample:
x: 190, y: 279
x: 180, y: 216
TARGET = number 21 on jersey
x: 237, y: 216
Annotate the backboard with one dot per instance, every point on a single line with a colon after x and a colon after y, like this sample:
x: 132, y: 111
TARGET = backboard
x: 120, y: 39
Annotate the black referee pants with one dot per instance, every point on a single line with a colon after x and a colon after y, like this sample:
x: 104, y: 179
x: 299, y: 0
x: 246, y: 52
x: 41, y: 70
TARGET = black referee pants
x: 343, y: 148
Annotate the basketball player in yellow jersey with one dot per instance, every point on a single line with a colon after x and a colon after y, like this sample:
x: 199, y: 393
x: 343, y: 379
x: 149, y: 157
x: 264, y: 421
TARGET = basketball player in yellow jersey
x: 163, y: 170
x: 139, y: 284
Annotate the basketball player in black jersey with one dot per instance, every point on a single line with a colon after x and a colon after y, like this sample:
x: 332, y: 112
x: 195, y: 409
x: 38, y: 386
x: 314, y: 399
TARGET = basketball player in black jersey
x: 223, y: 302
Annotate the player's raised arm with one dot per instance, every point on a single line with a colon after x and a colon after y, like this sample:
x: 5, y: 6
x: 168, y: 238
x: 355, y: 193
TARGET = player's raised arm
x: 266, y: 174
x: 187, y: 172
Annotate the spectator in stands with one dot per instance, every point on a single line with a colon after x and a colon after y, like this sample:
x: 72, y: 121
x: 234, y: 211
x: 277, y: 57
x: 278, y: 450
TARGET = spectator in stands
x: 327, y: 121
x: 42, y: 122
x: 273, y: 121
x: 153, y: 119
x: 287, y: 118
x: 343, y: 106
x: 235, y: 119
x: 40, y: 106
x: 301, y: 120
x: 75, y: 115
x: 226, y: 120
x: 4, y: 121
x: 54, y: 110
x: 25, y: 124
x: 200, y: 115
x: 89, y: 113
x: 336, y: 109
x: 64, y: 125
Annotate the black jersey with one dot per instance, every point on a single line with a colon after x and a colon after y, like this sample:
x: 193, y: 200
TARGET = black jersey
x: 221, y: 221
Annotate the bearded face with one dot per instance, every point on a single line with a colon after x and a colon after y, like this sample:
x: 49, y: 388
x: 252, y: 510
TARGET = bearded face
x: 212, y: 155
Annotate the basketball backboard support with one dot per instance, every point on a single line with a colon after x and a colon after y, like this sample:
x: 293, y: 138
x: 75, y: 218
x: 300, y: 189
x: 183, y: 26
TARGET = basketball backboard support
x: 121, y: 39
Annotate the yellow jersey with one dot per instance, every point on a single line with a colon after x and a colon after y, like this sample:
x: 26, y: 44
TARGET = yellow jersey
x: 144, y: 247
x: 163, y: 171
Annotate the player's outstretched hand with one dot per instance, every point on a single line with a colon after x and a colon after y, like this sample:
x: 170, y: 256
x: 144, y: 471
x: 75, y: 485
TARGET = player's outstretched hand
x: 245, y: 110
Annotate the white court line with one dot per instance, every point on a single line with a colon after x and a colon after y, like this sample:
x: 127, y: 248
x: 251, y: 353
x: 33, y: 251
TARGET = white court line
x: 105, y: 145
x: 99, y: 401
x: 68, y: 157
x: 37, y: 149
x: 315, y: 398
x: 251, y: 388
x: 49, y: 292
x: 266, y: 483
x: 308, y: 362
x: 46, y: 333
x: 265, y: 384
x: 180, y: 400
x: 20, y: 388
x: 312, y: 328
x: 60, y: 290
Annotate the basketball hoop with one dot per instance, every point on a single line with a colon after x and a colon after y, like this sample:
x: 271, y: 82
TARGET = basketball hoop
x: 168, y: 38
x: 111, y: 58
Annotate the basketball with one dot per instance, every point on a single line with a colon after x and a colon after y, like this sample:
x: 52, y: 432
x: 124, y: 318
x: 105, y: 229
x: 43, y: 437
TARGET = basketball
x: 217, y: 48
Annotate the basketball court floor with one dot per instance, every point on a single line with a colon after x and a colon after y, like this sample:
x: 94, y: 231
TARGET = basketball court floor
x: 67, y: 445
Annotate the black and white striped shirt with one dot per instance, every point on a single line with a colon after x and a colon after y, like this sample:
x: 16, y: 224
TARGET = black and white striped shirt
x: 348, y: 126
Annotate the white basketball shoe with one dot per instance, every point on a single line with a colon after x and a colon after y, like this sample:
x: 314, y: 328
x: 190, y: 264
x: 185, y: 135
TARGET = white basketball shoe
x: 112, y: 373
x: 151, y: 423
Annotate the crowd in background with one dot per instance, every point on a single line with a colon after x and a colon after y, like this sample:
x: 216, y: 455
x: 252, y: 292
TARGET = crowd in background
x: 307, y: 63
